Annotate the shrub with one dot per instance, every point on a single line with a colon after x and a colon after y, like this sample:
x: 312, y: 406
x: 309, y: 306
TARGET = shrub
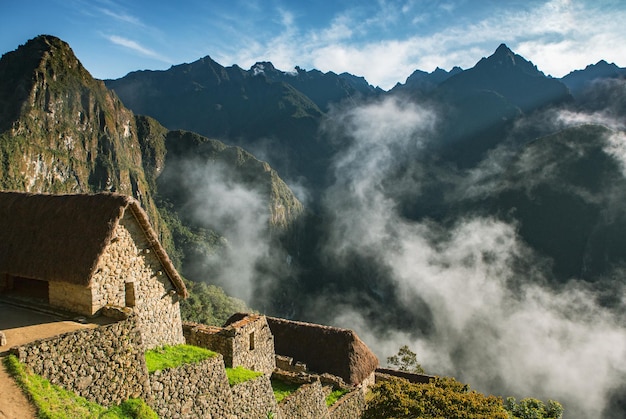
x: 441, y: 398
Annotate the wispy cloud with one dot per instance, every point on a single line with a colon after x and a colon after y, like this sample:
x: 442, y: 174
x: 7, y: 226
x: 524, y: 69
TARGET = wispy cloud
x: 136, y: 47
x: 121, y: 16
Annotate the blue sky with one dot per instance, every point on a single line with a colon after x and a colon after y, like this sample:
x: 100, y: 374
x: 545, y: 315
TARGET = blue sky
x: 384, y: 40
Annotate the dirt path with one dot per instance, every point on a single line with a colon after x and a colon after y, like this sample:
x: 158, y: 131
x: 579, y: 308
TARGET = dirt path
x: 13, y: 402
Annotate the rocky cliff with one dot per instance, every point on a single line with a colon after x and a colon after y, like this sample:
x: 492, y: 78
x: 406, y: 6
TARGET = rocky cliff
x: 62, y: 130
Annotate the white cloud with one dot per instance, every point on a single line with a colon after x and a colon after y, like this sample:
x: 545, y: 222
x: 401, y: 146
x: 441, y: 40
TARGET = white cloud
x: 136, y: 47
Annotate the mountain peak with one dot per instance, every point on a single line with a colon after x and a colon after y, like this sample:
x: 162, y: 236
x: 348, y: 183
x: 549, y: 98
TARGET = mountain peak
x: 46, y: 42
x: 504, y: 55
x: 503, y: 50
x: 503, y: 59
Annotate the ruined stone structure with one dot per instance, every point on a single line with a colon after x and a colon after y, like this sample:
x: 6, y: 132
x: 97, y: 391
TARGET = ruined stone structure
x: 84, y: 252
x: 245, y: 341
x: 325, y: 349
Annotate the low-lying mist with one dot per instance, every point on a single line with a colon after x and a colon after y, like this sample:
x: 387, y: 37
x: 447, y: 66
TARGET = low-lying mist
x: 459, y: 285
x: 248, y: 260
x: 497, y: 320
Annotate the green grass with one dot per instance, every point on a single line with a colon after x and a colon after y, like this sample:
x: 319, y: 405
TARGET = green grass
x: 174, y: 356
x: 335, y: 395
x: 54, y: 402
x: 240, y: 374
x: 283, y: 389
x: 132, y: 408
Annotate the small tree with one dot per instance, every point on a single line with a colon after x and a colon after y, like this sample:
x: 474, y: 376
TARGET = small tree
x: 405, y: 360
x: 530, y: 408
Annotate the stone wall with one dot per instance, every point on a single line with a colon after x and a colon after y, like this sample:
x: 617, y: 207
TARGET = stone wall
x: 192, y: 391
x: 248, y: 342
x: 309, y: 401
x: 254, y: 399
x: 130, y: 274
x: 253, y: 344
x: 286, y: 363
x: 106, y: 365
x: 72, y: 297
x: 216, y: 339
x: 350, y: 406
x: 383, y: 374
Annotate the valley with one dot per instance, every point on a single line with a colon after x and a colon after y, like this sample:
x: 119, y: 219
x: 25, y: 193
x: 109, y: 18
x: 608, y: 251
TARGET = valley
x: 474, y: 214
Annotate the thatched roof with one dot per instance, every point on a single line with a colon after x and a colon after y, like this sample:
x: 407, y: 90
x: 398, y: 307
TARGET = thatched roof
x: 323, y: 349
x: 62, y: 237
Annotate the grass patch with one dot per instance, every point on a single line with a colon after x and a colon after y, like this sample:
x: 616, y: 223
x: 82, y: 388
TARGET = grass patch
x: 240, y: 374
x: 335, y: 395
x: 131, y: 408
x: 54, y: 402
x: 174, y: 356
x: 283, y: 389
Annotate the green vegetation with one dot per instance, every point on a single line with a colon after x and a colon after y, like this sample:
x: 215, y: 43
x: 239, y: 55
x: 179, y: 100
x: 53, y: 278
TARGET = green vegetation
x: 283, y: 389
x: 405, y: 360
x: 533, y: 409
x: 446, y: 397
x: 336, y: 395
x: 209, y: 304
x: 240, y: 374
x: 173, y: 356
x: 132, y: 408
x: 441, y: 398
x: 54, y: 402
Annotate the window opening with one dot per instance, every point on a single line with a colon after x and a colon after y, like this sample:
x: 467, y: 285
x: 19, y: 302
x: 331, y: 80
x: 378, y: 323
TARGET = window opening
x: 129, y: 288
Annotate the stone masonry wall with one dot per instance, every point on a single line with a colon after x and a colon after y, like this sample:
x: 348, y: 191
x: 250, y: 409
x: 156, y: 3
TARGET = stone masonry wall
x: 350, y: 406
x: 73, y: 297
x: 130, y: 274
x: 216, y: 339
x: 309, y: 401
x: 384, y: 374
x: 105, y: 365
x: 254, y: 399
x: 248, y: 343
x: 198, y: 390
x: 253, y: 344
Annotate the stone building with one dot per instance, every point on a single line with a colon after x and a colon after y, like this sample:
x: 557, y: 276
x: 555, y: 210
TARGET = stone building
x: 245, y: 340
x: 325, y: 350
x: 84, y: 252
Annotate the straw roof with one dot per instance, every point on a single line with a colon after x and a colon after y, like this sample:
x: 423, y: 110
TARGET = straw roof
x: 323, y: 349
x: 62, y: 237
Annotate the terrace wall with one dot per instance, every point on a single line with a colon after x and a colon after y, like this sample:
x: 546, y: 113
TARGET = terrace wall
x: 198, y: 390
x: 105, y: 365
x: 254, y: 399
